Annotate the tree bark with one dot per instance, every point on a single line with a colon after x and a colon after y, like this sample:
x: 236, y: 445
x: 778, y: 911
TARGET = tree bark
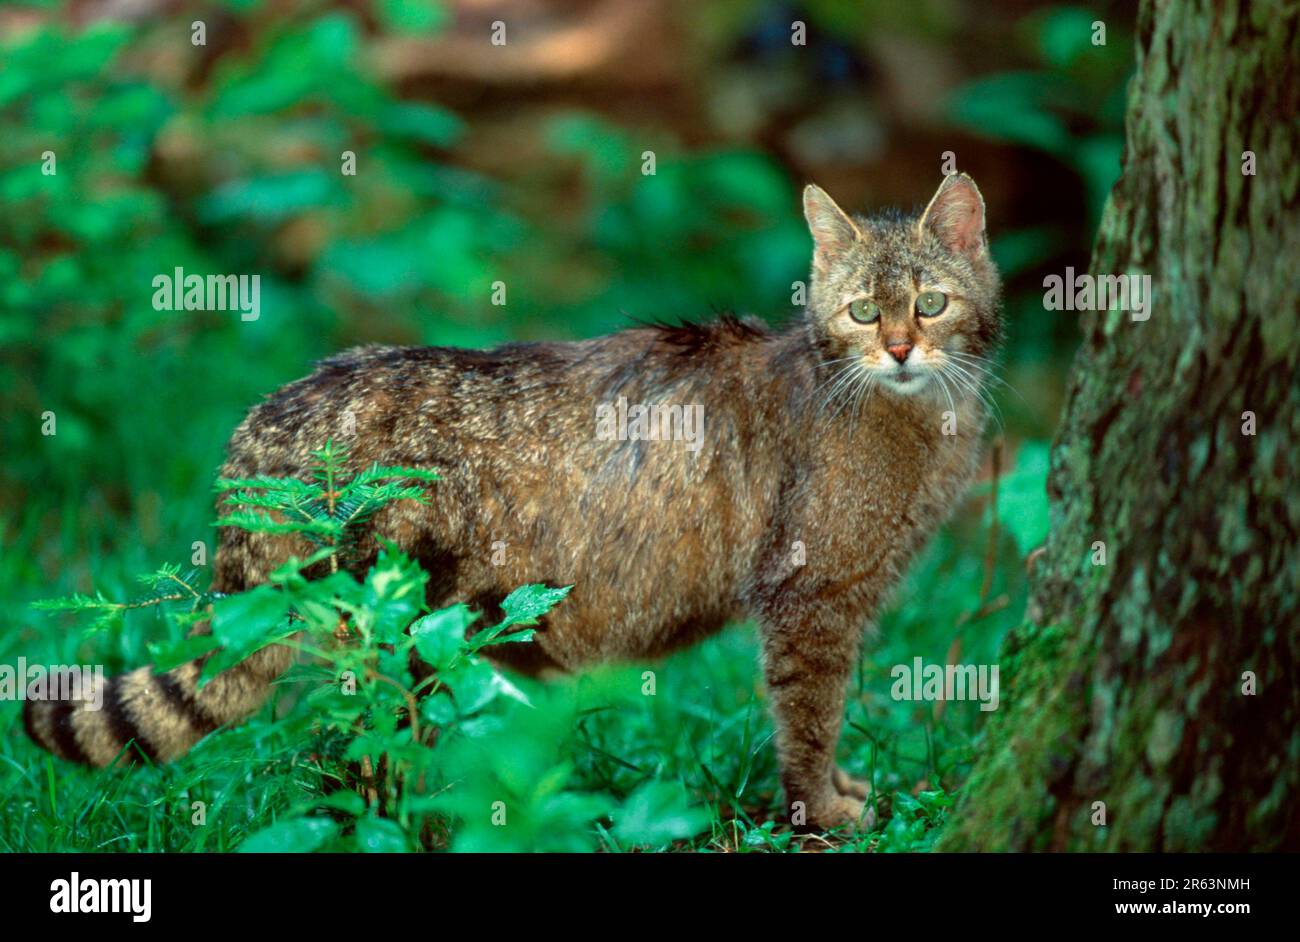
x: 1128, y: 683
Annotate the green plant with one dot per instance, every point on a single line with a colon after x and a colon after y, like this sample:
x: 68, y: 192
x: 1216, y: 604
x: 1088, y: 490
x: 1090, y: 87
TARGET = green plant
x: 916, y: 821
x: 398, y: 760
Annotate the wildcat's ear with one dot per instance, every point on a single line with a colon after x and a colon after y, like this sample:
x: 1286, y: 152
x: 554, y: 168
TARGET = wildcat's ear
x: 832, y: 230
x: 955, y: 216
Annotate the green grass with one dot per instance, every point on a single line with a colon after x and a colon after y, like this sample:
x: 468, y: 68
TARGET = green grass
x: 706, y: 727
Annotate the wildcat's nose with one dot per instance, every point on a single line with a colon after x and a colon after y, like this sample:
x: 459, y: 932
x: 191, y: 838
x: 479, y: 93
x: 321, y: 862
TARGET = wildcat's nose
x: 899, y: 349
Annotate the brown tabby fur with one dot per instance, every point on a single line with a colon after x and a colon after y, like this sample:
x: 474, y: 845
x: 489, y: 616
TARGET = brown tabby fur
x: 663, y: 546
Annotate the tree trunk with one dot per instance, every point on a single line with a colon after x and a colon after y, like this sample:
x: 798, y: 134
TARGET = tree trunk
x: 1130, y: 682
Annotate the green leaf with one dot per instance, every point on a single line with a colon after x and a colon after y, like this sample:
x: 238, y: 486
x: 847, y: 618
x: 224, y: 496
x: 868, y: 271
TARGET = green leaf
x: 440, y: 636
x: 1022, y: 497
x: 412, y: 16
x: 530, y: 602
x: 343, y: 800
x: 656, y: 813
x: 269, y: 198
x: 75, y: 603
x: 394, y: 593
x: 381, y: 836
x: 319, y: 601
x: 243, y: 623
x: 473, y: 686
x: 476, y: 684
x: 423, y: 123
x: 438, y: 709
x: 1019, y: 107
x: 378, y: 472
x: 166, y: 656
x: 261, y: 523
x: 1065, y: 35
x: 295, y: 836
x: 522, y: 607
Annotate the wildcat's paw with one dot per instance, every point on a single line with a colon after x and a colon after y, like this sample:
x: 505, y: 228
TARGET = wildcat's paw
x: 849, y: 786
x: 836, y: 811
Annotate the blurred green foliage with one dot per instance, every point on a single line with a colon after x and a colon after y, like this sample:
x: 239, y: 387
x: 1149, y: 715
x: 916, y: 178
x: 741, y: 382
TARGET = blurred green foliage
x: 1070, y: 107
x: 411, y: 240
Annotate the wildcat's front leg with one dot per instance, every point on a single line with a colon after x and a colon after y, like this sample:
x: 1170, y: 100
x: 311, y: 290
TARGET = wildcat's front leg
x: 807, y: 663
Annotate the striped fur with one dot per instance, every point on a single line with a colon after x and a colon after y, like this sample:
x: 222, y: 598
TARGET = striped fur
x: 159, y: 716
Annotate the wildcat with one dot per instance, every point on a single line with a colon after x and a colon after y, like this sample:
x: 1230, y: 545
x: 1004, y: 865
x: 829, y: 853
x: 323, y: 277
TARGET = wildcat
x: 830, y: 451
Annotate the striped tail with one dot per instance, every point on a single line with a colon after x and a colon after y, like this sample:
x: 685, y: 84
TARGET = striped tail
x: 162, y: 714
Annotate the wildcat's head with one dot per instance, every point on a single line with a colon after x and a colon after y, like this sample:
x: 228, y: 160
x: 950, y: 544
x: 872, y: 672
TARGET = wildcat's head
x: 908, y: 300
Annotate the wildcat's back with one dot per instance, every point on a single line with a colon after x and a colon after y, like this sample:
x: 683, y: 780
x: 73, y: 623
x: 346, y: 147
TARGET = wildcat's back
x: 652, y: 534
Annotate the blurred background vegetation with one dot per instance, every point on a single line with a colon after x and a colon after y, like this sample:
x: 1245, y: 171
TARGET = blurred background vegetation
x: 521, y: 164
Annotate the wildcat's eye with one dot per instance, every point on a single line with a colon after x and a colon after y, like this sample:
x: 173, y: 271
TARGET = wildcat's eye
x: 930, y: 303
x: 864, y: 311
